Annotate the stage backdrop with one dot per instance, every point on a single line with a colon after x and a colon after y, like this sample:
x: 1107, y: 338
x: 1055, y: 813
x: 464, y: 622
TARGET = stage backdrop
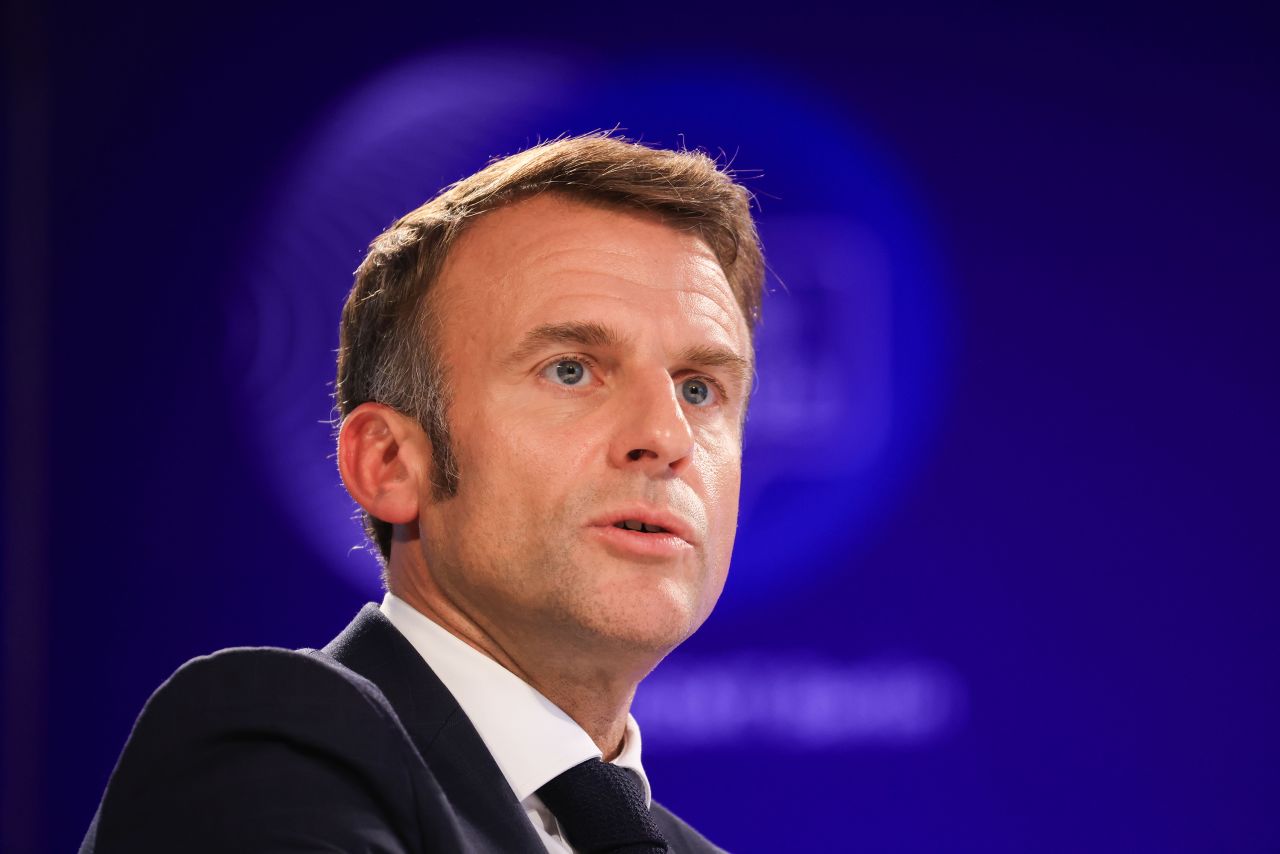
x: 1005, y: 578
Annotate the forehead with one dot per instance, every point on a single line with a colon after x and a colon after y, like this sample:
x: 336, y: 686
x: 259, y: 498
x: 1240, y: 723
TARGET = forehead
x: 552, y: 258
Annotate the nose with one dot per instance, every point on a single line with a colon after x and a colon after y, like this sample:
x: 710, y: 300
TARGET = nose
x: 653, y: 434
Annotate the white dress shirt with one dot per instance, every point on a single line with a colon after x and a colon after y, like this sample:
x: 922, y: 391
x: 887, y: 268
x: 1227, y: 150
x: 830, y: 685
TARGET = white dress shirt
x: 531, y: 739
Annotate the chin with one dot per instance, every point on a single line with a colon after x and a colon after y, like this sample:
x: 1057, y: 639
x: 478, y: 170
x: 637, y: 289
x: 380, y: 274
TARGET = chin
x: 654, y: 620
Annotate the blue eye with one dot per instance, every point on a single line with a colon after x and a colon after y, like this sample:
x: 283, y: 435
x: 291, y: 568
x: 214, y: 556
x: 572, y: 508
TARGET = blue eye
x: 568, y: 372
x: 696, y: 391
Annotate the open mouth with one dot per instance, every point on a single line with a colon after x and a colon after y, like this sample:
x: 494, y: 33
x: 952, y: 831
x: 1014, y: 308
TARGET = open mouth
x: 640, y: 527
x: 640, y: 537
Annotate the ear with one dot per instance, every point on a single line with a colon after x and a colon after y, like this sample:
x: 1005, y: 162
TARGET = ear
x: 385, y: 462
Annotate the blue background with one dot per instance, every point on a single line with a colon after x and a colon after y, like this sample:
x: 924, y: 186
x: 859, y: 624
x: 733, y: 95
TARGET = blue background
x: 1068, y: 526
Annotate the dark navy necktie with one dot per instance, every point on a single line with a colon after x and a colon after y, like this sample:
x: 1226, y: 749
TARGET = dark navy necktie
x: 601, y: 809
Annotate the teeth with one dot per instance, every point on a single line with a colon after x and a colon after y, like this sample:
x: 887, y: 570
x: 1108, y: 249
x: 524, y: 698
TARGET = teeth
x: 636, y: 525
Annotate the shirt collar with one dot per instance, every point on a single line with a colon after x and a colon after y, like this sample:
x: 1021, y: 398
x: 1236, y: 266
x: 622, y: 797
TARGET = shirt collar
x: 531, y: 739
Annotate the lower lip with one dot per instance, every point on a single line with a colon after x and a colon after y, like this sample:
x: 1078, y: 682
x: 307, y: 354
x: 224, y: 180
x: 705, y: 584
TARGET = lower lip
x: 638, y: 544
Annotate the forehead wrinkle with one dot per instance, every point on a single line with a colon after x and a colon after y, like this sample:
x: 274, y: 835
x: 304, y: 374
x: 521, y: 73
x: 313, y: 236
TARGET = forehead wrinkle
x: 683, y: 263
x: 555, y: 258
x: 599, y: 275
x: 712, y: 290
x: 726, y: 318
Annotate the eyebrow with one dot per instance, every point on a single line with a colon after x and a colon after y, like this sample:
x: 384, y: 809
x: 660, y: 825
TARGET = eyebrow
x: 582, y: 333
x: 705, y: 356
x: 589, y: 333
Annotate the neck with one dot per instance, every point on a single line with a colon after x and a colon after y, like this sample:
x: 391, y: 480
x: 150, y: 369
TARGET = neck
x: 593, y: 686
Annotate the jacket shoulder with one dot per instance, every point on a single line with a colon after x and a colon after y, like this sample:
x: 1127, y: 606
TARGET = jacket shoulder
x: 305, y: 698
x: 264, y: 749
x: 268, y: 685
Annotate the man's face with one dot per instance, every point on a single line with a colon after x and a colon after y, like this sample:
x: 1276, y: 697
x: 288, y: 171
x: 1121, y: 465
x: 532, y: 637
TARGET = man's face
x: 599, y: 368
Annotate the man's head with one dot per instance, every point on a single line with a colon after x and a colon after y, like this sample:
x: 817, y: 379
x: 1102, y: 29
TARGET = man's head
x: 561, y: 339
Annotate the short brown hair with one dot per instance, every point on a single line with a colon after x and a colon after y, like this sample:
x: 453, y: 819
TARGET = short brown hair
x: 388, y: 332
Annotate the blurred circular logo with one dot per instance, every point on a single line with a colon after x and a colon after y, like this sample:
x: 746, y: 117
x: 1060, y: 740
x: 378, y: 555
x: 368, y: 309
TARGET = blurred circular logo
x: 849, y: 354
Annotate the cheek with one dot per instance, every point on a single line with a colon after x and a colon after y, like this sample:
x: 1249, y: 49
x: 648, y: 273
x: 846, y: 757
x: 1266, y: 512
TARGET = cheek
x: 722, y: 480
x: 520, y: 464
x: 543, y: 447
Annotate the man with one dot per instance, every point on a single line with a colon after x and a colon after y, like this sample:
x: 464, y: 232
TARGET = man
x: 543, y: 379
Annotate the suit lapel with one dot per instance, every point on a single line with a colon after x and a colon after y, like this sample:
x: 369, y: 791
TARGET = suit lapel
x: 444, y: 736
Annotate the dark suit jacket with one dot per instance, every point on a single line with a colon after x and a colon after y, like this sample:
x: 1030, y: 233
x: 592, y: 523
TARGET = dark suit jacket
x: 355, y: 748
